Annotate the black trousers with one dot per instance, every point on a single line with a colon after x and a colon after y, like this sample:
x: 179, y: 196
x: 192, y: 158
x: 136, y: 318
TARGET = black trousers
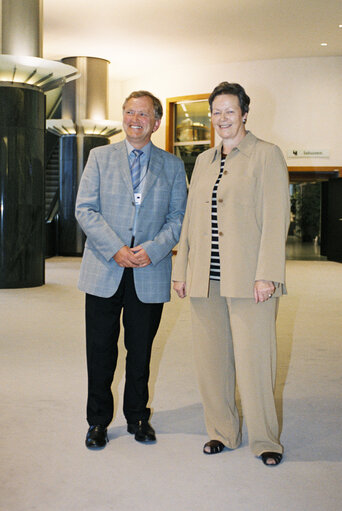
x: 141, y: 322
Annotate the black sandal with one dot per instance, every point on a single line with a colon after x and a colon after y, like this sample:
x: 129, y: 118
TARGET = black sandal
x: 275, y: 456
x: 215, y: 446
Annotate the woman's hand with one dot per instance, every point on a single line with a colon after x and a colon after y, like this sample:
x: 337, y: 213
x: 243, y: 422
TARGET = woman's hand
x: 263, y: 290
x: 180, y: 288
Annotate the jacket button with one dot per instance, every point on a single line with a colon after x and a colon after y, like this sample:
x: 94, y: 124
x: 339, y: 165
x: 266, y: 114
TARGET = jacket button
x: 225, y: 172
x: 220, y: 200
x: 220, y: 233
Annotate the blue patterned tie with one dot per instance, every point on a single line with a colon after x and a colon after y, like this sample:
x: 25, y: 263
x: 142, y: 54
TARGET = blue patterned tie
x: 135, y: 168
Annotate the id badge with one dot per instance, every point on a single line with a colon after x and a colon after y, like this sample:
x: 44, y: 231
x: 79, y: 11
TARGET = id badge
x: 137, y: 198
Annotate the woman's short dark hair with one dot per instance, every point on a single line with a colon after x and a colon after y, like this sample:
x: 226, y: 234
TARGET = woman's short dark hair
x: 157, y: 106
x: 231, y: 88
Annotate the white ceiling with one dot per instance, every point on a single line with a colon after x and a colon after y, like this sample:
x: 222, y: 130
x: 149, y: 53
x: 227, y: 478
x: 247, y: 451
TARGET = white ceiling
x: 139, y: 35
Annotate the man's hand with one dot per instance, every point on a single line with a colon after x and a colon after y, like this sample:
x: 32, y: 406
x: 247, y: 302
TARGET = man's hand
x: 141, y: 256
x: 126, y: 258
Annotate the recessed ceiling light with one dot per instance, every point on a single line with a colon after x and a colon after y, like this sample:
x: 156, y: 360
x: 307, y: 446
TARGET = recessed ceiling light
x: 324, y: 44
x: 340, y: 26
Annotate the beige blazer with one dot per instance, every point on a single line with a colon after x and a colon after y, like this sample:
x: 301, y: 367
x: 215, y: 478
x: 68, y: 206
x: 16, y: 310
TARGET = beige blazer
x: 253, y: 210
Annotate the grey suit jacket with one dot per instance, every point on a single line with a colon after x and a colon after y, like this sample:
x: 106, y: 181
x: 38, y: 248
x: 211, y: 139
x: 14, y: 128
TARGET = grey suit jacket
x: 105, y: 210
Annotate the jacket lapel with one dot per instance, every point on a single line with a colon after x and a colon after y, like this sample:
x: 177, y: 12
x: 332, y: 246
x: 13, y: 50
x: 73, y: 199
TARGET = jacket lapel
x: 216, y: 162
x: 120, y: 163
x: 156, y: 165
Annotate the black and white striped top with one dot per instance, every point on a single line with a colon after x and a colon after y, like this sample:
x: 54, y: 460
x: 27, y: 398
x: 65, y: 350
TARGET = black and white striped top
x: 215, y: 254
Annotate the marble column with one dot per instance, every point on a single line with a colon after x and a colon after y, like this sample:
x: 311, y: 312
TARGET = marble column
x: 74, y: 152
x: 22, y: 125
x: 24, y: 77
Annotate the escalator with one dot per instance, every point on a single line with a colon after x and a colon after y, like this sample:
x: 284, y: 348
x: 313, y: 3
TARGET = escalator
x: 51, y: 179
x: 51, y: 195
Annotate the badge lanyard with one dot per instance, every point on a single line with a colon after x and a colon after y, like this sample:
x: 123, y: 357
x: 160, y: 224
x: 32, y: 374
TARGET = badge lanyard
x: 137, y: 195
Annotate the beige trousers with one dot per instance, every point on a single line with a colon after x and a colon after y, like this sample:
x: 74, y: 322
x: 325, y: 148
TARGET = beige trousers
x: 234, y: 338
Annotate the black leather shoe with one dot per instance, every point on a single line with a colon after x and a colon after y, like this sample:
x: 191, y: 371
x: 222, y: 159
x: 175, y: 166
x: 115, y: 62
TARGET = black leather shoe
x: 142, y: 431
x: 96, y: 437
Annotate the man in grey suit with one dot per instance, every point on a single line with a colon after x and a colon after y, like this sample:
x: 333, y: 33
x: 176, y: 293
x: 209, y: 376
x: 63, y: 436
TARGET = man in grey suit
x: 130, y: 205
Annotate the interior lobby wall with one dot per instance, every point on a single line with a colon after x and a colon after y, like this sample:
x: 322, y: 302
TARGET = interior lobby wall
x: 295, y: 103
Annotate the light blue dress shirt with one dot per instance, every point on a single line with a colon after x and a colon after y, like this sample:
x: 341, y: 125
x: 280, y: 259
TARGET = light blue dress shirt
x: 144, y: 163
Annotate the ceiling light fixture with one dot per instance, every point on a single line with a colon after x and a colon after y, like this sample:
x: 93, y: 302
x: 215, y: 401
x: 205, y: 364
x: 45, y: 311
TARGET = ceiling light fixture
x: 324, y: 44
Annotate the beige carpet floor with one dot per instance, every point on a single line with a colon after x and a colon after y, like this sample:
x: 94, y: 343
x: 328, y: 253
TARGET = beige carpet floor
x: 45, y: 466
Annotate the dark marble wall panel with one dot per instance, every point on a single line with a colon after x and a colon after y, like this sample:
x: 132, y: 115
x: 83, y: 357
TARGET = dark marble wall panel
x: 22, y: 124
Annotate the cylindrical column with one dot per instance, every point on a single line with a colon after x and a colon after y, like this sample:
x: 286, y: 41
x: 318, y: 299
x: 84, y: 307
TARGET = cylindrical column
x: 22, y: 126
x: 22, y: 129
x: 22, y: 22
x: 86, y: 98
x: 74, y: 152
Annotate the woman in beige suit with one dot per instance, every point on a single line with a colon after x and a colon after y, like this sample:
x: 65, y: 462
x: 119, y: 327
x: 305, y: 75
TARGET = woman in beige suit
x: 231, y: 262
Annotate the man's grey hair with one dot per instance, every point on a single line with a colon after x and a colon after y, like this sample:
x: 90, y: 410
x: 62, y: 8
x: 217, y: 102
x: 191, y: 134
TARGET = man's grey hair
x: 157, y: 106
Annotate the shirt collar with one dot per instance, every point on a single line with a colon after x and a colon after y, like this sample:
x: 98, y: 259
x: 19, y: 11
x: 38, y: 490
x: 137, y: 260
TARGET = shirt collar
x: 146, y: 149
x: 245, y: 146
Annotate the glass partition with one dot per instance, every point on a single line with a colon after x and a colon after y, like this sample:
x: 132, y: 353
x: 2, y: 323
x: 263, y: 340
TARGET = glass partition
x: 189, y: 130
